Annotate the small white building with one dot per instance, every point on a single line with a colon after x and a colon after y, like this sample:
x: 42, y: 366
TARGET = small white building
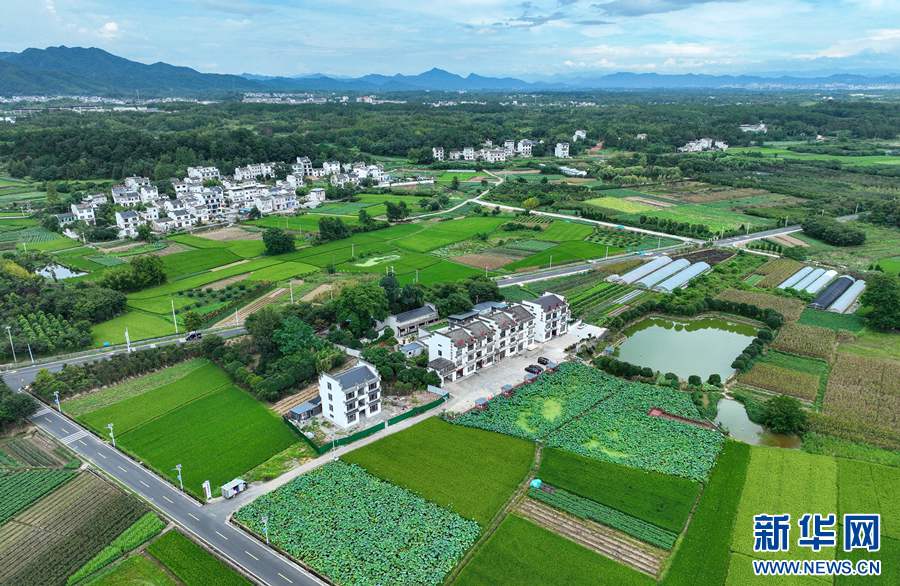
x: 561, y: 151
x: 468, y: 153
x: 524, y: 147
x: 253, y: 171
x: 437, y: 153
x: 579, y: 135
x: 406, y: 325
x: 331, y: 168
x: 551, y: 314
x: 83, y: 212
x: 314, y: 198
x: 351, y: 396
x: 128, y: 223
x: 204, y: 173
x: 754, y: 128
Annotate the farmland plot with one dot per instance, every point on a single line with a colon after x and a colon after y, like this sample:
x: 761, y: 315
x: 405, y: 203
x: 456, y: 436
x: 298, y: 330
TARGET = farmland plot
x: 358, y: 529
x: 806, y: 341
x: 788, y: 307
x: 777, y: 270
x: 782, y: 380
x: 871, y: 488
x: 19, y: 489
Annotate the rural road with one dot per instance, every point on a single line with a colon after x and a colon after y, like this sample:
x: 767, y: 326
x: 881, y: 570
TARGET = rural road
x: 774, y: 232
x: 258, y: 560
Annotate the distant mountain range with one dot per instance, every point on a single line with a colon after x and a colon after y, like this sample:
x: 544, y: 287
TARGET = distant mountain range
x: 92, y: 71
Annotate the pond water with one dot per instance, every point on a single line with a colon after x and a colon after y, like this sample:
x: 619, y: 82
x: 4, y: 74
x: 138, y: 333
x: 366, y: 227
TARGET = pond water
x: 56, y: 271
x: 734, y: 417
x: 699, y: 346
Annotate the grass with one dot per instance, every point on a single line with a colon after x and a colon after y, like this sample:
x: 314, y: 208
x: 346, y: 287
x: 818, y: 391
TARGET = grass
x: 870, y: 488
x: 134, y: 387
x: 137, y: 571
x: 881, y: 243
x: 435, y: 459
x: 439, y: 234
x: 282, y: 271
x: 831, y: 320
x: 280, y: 463
x: 716, y: 218
x: 704, y: 549
x: 442, y: 271
x: 826, y: 445
x: 660, y: 499
x: 131, y: 413
x: 191, y: 563
x: 520, y: 552
x: 141, y: 326
x: 874, y: 345
x: 190, y: 262
x: 620, y: 205
x: 560, y: 231
x: 563, y: 253
x: 785, y: 481
x: 206, y: 278
x: 852, y: 161
x: 218, y: 437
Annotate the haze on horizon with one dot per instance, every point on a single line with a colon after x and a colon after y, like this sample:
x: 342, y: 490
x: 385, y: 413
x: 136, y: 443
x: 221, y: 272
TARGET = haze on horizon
x: 535, y: 39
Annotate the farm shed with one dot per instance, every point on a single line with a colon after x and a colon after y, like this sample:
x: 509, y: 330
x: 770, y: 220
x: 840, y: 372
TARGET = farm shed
x: 832, y: 292
x: 848, y: 297
x: 663, y: 273
x: 644, y: 270
x: 820, y: 283
x: 808, y: 279
x: 412, y: 349
x: 682, y: 278
x: 795, y: 278
x: 306, y: 410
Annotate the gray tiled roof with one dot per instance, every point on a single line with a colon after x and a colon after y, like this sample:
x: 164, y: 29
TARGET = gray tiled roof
x: 415, y: 314
x: 355, y: 376
x: 549, y: 302
x: 441, y: 365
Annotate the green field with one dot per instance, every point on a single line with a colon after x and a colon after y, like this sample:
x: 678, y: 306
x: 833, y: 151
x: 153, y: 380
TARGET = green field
x: 400, y: 261
x: 182, y: 264
x: 715, y: 217
x: 448, y: 176
x: 282, y: 271
x: 206, y: 278
x: 620, y: 205
x: 141, y: 326
x: 202, y: 421
x: 443, y: 271
x: 308, y: 222
x: 852, y: 161
x: 560, y: 231
x: 662, y: 500
x: 434, y: 459
x: 831, y: 320
x: 881, y: 243
x: 191, y: 563
x: 134, y: 571
x: 563, y: 253
x: 436, y: 235
x: 520, y: 552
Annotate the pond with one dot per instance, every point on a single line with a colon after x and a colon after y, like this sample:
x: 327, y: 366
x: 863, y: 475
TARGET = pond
x: 698, y: 346
x: 733, y: 416
x: 55, y: 271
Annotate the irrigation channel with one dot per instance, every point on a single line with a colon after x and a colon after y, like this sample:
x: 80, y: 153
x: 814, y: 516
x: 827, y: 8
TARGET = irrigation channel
x: 701, y: 346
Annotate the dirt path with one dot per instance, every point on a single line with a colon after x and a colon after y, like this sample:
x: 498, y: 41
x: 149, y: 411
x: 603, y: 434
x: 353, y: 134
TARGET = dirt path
x: 250, y: 308
x: 291, y: 401
x: 321, y: 289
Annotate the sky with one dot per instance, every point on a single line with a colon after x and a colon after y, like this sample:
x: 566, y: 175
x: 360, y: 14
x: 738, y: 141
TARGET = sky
x: 533, y: 39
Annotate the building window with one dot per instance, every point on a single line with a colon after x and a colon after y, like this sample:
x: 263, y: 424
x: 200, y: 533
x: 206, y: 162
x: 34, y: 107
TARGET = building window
x: 329, y: 387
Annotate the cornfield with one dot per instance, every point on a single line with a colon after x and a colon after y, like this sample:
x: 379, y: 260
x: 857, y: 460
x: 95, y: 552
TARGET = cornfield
x: 806, y: 341
x: 786, y: 306
x: 777, y: 270
x: 782, y: 380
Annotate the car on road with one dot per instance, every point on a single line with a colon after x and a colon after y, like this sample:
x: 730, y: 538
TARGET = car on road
x: 193, y: 336
x: 543, y: 361
x: 534, y: 369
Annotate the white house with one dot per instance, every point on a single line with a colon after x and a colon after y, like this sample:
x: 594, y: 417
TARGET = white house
x: 703, y: 144
x: 203, y: 173
x: 95, y: 199
x: 523, y: 148
x: 83, y: 212
x: 303, y: 166
x: 125, y: 196
x: 579, y: 135
x: 561, y: 151
x: 468, y: 153
x: 754, y: 128
x: 253, y: 171
x: 437, y: 153
x: 551, y: 314
x: 314, y: 198
x: 351, y: 396
x: 331, y: 168
x: 128, y: 223
x: 572, y: 172
x: 406, y: 325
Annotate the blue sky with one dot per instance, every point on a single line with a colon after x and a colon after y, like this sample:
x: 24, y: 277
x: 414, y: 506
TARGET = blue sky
x: 530, y: 39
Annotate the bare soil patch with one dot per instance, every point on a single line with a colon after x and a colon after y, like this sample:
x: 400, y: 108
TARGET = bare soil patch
x: 172, y: 248
x: 480, y: 261
x: 790, y: 241
x: 316, y: 293
x: 478, y: 179
x: 229, y: 265
x: 225, y: 282
x: 230, y: 233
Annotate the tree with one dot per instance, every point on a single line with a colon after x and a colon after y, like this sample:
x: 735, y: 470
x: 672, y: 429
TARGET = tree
x: 364, y: 218
x: 411, y: 297
x: 332, y: 228
x: 396, y: 211
x: 192, y: 321
x: 454, y: 184
x: 145, y: 232
x: 694, y: 380
x: 531, y: 203
x: 278, y: 241
x: 295, y: 335
x: 260, y: 326
x: 391, y: 287
x: 358, y: 307
x: 483, y: 289
x: 783, y: 414
x: 882, y: 301
x: 254, y: 213
x: 714, y: 379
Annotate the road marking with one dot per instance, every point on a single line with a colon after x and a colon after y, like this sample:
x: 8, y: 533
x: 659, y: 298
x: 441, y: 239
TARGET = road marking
x: 102, y: 455
x: 82, y: 442
x: 144, y: 483
x: 222, y: 536
x: 285, y: 578
x: 251, y: 555
x: 122, y: 469
x: 42, y: 411
x: 168, y: 499
x: 193, y: 516
x: 74, y: 436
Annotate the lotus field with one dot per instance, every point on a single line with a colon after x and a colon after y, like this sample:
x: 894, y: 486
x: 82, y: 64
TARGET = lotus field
x: 586, y: 411
x: 357, y: 529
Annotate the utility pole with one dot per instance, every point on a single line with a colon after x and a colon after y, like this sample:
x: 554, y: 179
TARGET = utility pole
x: 417, y: 275
x: 112, y: 436
x: 265, y: 521
x: 56, y: 396
x: 174, y: 321
x: 236, y: 322
x: 291, y: 283
x: 607, y: 252
x: 127, y: 341
x: 30, y: 354
x: 11, y: 345
x: 352, y: 250
x: 177, y: 468
x: 551, y: 261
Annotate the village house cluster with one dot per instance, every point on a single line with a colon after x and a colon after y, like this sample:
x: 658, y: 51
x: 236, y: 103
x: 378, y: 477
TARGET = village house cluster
x: 206, y: 196
x: 489, y: 153
x: 703, y: 144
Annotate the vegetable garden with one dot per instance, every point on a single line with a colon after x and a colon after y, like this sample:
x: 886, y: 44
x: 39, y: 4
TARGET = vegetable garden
x: 357, y: 529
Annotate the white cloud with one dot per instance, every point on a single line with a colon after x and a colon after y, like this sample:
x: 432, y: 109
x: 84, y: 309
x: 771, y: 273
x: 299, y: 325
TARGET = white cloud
x: 109, y: 30
x: 884, y: 40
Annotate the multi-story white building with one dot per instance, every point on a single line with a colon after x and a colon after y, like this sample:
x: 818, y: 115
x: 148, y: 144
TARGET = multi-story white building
x: 755, y: 128
x: 406, y: 325
x: 253, y: 171
x: 551, y: 314
x: 351, y: 396
x: 561, y: 151
x: 203, y: 173
x: 83, y: 212
x: 455, y: 155
x: 703, y: 144
x: 125, y: 197
x: 331, y: 168
x: 493, y: 155
x: 95, y: 199
x: 468, y: 153
x: 148, y: 193
x: 510, y: 147
x: 136, y: 183
x: 524, y: 147
x: 314, y: 198
x: 128, y: 223
x: 437, y: 153
x: 303, y: 166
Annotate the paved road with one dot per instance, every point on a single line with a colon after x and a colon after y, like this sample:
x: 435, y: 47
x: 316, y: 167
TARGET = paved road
x: 23, y: 374
x: 258, y: 560
x: 775, y: 232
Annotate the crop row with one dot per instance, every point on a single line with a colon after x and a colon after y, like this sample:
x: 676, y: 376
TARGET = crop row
x: 782, y: 380
x: 24, y: 452
x: 19, y: 489
x: 788, y: 307
x: 358, y: 529
x: 806, y: 341
x: 594, y: 511
x: 595, y: 296
x: 777, y: 270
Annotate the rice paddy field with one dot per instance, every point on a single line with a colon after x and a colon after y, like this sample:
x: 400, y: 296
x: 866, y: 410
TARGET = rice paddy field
x: 200, y: 420
x: 880, y: 246
x: 850, y: 161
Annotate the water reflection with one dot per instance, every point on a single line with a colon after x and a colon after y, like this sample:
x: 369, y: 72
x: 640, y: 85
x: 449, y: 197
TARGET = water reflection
x: 55, y: 271
x: 734, y: 417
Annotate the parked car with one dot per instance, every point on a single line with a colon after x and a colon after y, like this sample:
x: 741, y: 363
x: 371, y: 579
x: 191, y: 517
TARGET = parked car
x: 193, y: 336
x: 534, y: 369
x: 543, y: 361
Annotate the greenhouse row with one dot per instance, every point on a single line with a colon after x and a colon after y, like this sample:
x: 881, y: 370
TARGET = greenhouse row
x: 662, y: 274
